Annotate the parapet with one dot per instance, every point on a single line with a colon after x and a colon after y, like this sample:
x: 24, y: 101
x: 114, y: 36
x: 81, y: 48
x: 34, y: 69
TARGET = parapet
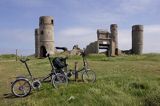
x: 137, y: 28
x: 45, y: 20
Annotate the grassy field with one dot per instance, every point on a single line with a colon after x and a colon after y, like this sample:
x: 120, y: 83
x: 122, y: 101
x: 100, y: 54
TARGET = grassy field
x: 121, y: 81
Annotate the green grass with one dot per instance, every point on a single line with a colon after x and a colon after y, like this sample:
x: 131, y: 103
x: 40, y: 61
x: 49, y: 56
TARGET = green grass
x: 121, y: 81
x: 7, y: 56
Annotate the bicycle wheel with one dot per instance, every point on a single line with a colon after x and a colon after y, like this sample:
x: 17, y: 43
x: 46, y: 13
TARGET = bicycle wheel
x: 89, y: 76
x: 59, y: 81
x: 21, y: 87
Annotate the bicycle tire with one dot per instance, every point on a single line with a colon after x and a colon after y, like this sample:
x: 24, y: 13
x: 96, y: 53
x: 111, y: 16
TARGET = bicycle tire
x: 88, y: 76
x: 59, y: 81
x: 23, y: 90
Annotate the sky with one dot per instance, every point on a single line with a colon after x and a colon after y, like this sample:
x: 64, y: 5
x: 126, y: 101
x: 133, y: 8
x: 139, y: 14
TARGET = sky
x: 77, y: 21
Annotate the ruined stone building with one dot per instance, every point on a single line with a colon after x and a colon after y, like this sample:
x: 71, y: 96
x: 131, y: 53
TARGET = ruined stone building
x: 44, y: 37
x: 106, y: 41
x: 109, y: 41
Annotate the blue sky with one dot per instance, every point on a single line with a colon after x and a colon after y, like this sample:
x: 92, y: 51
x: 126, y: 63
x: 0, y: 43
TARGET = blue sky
x: 76, y: 21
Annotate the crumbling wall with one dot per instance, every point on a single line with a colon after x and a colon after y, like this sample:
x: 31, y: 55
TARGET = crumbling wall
x: 92, y: 48
x: 104, y: 41
x: 76, y: 50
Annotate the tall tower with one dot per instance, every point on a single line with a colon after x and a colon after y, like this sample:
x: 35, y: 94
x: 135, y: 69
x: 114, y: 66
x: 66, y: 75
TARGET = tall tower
x: 114, y: 34
x: 137, y: 39
x: 46, y: 29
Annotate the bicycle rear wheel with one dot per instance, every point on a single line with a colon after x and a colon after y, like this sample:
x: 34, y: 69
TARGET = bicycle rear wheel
x: 21, y: 87
x: 59, y: 81
x: 89, y: 76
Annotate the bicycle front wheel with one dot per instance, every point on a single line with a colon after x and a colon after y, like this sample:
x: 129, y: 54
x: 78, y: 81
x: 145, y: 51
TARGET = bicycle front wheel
x: 89, y: 76
x: 21, y: 87
x: 59, y: 81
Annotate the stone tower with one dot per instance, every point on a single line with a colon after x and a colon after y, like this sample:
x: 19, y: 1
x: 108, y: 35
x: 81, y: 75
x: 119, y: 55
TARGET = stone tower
x: 114, y: 37
x: 114, y: 34
x: 44, y: 37
x: 137, y: 39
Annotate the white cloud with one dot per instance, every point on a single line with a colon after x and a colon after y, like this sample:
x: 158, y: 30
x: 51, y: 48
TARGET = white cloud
x: 13, y: 38
x: 124, y: 39
x: 21, y: 39
x: 152, y: 38
x: 152, y: 29
x: 77, y: 35
x: 134, y: 6
x: 121, y: 11
x: 76, y: 31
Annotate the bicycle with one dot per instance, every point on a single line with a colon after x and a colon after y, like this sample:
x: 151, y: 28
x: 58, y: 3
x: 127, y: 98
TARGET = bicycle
x: 22, y: 86
x: 87, y: 74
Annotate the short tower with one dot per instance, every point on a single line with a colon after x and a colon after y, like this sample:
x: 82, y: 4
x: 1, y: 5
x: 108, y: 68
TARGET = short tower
x: 45, y: 41
x: 137, y: 39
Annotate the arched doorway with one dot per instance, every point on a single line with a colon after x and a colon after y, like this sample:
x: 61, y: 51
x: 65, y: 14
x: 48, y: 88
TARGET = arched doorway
x: 43, y: 51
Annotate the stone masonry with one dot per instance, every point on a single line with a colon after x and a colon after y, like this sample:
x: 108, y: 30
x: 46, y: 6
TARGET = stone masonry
x: 44, y: 37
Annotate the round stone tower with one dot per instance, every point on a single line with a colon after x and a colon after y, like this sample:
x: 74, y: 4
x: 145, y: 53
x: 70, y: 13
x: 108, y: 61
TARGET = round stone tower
x: 37, y: 43
x: 46, y: 29
x: 137, y: 39
x: 114, y: 34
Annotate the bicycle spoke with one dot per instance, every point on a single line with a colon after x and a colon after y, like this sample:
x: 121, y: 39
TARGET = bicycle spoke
x: 59, y: 81
x: 21, y: 88
x: 24, y: 92
x: 88, y: 76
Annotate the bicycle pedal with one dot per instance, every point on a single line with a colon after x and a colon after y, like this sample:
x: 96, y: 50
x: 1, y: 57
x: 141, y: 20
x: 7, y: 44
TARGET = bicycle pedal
x: 69, y: 74
x: 36, y: 84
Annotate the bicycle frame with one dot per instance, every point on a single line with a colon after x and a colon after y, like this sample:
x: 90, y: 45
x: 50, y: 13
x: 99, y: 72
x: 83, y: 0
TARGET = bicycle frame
x: 28, y: 69
x: 19, y: 89
x: 48, y: 76
x: 83, y: 69
x: 84, y: 64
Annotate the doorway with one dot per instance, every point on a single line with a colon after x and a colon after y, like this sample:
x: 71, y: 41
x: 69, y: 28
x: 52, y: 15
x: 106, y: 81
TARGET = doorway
x: 43, y: 51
